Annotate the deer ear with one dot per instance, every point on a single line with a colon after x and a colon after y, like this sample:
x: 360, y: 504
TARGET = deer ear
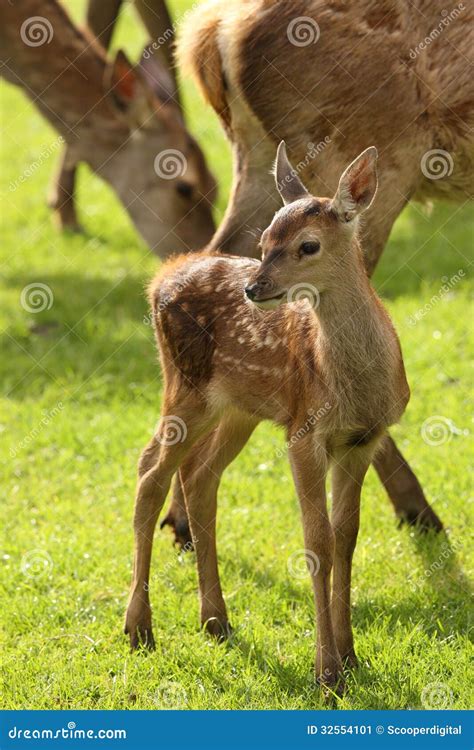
x: 287, y: 181
x: 357, y: 186
x: 128, y: 91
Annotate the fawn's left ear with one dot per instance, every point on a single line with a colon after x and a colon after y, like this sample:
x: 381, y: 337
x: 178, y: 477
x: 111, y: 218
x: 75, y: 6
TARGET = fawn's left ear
x: 287, y: 181
x: 357, y: 186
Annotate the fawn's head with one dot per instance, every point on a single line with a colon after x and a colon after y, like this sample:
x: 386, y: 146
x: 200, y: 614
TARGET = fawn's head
x: 158, y: 169
x: 309, y: 238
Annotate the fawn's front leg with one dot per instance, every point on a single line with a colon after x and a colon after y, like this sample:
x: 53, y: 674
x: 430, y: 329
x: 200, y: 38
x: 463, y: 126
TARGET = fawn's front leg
x: 309, y: 467
x: 348, y: 475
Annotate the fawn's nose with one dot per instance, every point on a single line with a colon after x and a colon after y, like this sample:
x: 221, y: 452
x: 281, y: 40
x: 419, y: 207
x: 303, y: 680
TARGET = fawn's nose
x: 251, y: 291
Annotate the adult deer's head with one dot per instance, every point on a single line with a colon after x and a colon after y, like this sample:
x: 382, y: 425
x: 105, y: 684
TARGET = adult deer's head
x: 152, y: 162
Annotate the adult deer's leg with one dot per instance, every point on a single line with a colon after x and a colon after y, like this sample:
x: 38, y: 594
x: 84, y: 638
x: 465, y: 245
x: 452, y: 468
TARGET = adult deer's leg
x: 400, y: 482
x: 160, y: 460
x: 200, y: 475
x: 61, y: 192
x: 403, y: 488
x: 101, y: 18
x: 309, y: 471
x: 347, y: 478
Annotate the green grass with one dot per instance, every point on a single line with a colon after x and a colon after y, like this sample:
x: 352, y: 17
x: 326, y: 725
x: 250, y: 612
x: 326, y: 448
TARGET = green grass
x: 81, y: 396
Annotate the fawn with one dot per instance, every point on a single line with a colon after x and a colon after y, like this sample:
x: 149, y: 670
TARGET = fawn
x: 236, y: 350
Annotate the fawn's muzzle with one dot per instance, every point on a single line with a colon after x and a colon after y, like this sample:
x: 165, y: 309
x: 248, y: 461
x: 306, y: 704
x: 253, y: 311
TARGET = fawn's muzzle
x: 263, y: 294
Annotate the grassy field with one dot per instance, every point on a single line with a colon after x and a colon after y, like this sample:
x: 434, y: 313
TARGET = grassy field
x: 80, y: 397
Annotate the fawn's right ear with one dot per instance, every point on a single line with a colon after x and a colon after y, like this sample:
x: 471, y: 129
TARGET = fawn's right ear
x: 128, y: 91
x: 287, y: 181
x: 357, y: 186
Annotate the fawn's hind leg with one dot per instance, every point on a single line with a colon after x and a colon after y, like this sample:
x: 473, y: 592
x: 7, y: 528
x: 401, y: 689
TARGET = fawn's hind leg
x: 181, y: 425
x: 200, y: 475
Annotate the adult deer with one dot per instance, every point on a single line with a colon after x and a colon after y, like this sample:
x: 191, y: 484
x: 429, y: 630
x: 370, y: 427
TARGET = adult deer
x: 227, y: 366
x: 334, y: 77
x: 125, y: 122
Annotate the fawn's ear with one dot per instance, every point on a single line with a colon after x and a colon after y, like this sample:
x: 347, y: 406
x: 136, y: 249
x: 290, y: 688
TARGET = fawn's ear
x: 287, y: 181
x: 357, y: 186
x: 129, y: 92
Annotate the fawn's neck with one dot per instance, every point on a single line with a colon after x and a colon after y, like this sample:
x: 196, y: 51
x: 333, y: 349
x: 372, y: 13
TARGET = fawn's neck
x: 63, y: 76
x: 355, y: 334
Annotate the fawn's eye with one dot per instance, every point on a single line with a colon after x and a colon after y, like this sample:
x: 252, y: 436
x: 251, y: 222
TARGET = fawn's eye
x: 185, y: 189
x: 309, y: 248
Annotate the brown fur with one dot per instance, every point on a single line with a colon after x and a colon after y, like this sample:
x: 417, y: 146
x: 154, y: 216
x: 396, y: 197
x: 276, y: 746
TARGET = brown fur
x: 356, y: 85
x: 228, y: 365
x: 115, y: 117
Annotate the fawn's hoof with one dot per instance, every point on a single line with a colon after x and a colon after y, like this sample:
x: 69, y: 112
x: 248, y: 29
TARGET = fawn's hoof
x: 180, y: 528
x: 424, y: 519
x: 141, y: 636
x: 349, y: 659
x: 222, y: 630
x: 331, y: 679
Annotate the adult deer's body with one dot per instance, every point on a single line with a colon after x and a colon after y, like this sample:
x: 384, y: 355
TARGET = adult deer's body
x: 352, y: 73
x: 120, y: 120
x: 330, y: 78
x: 228, y: 365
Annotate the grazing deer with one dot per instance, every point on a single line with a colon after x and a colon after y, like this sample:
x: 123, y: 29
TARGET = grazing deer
x: 233, y: 354
x: 102, y: 17
x: 123, y: 121
x: 330, y: 78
